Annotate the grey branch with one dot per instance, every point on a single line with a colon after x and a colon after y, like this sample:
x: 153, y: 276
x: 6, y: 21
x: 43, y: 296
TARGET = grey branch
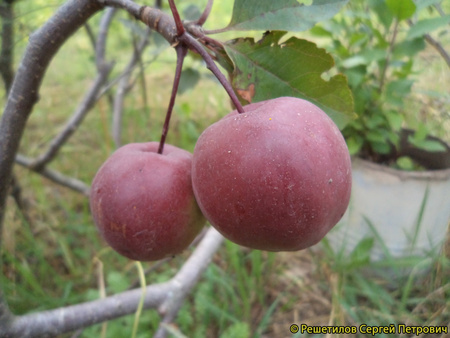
x: 74, y: 122
x: 123, y: 87
x: 55, y: 176
x: 128, y: 5
x: 24, y: 92
x: 440, y: 49
x: 166, y: 296
x: 100, y: 46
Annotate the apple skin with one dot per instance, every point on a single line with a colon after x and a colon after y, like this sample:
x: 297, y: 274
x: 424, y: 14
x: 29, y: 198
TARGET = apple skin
x: 275, y: 178
x: 143, y: 204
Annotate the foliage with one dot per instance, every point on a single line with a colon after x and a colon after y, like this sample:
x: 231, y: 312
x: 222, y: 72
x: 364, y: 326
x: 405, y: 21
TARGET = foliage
x: 375, y: 44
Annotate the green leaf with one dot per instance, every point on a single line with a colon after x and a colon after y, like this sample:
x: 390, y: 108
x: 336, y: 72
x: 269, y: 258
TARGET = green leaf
x: 360, y: 256
x: 188, y: 80
x: 419, y: 140
x: 405, y: 163
x: 288, y: 15
x: 409, y: 48
x: 354, y: 144
x: 382, y: 11
x: 426, y: 26
x: 397, y: 90
x: 267, y: 69
x: 395, y: 119
x: 401, y: 9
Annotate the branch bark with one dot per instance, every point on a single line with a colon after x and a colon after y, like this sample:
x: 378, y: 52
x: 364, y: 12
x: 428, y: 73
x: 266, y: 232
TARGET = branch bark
x: 167, y: 296
x: 74, y: 122
x: 123, y: 87
x: 24, y: 92
x: 55, y: 176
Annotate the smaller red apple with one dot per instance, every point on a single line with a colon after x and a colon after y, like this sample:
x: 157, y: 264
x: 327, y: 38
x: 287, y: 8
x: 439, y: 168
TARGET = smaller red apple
x: 143, y: 204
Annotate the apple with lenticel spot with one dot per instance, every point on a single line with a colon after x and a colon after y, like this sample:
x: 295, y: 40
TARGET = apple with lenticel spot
x: 276, y: 177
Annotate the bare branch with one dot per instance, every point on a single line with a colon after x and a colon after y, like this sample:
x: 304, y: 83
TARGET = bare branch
x: 123, y: 87
x: 194, y: 44
x: 185, y: 280
x: 55, y: 176
x: 130, y: 6
x: 201, y: 21
x: 74, y: 122
x: 100, y: 46
x: 435, y: 44
x: 181, y: 54
x: 440, y: 49
x: 24, y: 92
x: 160, y: 22
x: 90, y: 34
x: 168, y: 296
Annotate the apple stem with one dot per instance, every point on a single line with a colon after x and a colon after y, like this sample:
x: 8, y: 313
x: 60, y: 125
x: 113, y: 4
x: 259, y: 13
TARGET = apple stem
x: 205, y: 13
x: 188, y: 40
x: 181, y: 50
x: 176, y: 17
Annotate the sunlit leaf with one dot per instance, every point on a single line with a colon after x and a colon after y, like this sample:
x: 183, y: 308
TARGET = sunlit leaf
x: 401, y: 9
x: 269, y: 69
x: 287, y: 15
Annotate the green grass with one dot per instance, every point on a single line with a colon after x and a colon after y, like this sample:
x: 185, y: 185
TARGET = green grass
x: 58, y: 259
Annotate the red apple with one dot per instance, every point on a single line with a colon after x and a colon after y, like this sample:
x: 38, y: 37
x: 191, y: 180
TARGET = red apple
x: 276, y: 178
x: 143, y: 204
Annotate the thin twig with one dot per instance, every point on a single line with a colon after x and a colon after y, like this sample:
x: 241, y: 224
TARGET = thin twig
x: 74, y: 122
x: 128, y: 5
x: 202, y: 19
x: 194, y: 44
x: 440, y: 49
x: 100, y: 46
x: 90, y: 34
x: 181, y: 54
x: 123, y: 87
x: 55, y: 176
x: 435, y: 44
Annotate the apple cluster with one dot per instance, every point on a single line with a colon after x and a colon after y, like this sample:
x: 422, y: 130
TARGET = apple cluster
x: 276, y: 177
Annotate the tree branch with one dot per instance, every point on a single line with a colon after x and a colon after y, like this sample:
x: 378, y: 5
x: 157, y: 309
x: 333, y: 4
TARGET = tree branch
x: 440, y: 49
x: 74, y: 122
x: 55, y: 176
x: 128, y: 5
x: 100, y: 45
x: 123, y: 87
x: 24, y: 92
x: 167, y: 296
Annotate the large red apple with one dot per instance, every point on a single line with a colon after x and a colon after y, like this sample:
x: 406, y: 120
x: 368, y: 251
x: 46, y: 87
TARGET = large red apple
x: 142, y: 202
x: 277, y: 177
